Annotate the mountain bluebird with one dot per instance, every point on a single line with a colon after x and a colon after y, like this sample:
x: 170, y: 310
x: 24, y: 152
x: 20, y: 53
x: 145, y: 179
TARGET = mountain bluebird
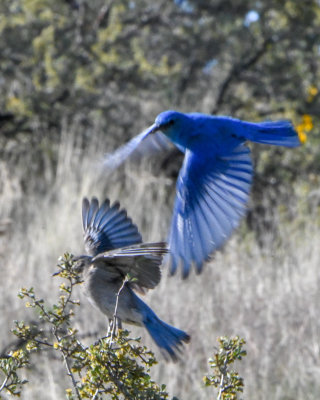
x: 115, y: 250
x: 214, y: 181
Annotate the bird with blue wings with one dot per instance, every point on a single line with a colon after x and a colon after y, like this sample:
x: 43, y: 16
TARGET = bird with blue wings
x: 214, y: 182
x: 115, y: 251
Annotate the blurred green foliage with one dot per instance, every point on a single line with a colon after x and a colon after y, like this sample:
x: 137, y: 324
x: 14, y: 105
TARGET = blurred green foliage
x: 109, y: 67
x: 226, y: 380
x: 117, y: 366
x: 113, y: 66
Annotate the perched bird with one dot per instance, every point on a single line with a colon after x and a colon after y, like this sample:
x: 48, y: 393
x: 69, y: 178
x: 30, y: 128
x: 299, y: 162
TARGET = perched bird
x: 115, y: 251
x: 215, y: 179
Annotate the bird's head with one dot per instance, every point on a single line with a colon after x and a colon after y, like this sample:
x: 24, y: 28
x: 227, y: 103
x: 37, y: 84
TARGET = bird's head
x: 80, y: 263
x: 172, y: 124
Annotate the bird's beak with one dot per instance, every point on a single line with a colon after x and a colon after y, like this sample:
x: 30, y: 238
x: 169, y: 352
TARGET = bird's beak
x: 153, y: 128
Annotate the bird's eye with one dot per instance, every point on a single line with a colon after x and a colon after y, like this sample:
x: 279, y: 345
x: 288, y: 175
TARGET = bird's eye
x: 170, y: 122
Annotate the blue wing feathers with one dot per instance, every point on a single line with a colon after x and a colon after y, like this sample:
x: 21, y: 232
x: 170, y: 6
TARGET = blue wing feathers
x: 114, y: 221
x: 208, y: 207
x: 215, y: 179
x: 186, y: 245
x: 202, y: 235
x: 127, y: 237
x: 105, y: 217
x: 112, y: 216
x: 85, y: 209
x: 92, y: 210
x: 199, y: 247
x: 231, y: 189
x: 122, y: 230
x: 231, y: 204
x: 107, y: 227
x: 140, y: 145
x: 224, y: 217
x: 101, y: 212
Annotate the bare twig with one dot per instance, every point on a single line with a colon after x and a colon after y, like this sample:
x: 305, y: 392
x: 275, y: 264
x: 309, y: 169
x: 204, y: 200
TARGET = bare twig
x: 102, y: 19
x: 64, y: 351
x: 95, y: 395
x: 74, y: 382
x: 223, y: 373
x: 115, y: 318
x: 4, y: 383
x: 236, y: 71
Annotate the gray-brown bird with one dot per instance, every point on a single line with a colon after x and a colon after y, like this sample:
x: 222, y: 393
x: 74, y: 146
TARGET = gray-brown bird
x: 115, y: 251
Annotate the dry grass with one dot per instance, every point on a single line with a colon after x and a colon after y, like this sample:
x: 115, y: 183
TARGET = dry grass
x: 271, y: 298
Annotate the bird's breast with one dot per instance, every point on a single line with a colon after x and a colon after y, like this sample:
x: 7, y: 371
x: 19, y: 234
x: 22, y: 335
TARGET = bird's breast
x: 103, y: 292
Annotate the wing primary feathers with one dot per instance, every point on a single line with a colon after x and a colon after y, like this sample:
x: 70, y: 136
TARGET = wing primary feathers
x: 94, y: 205
x: 157, y: 248
x: 107, y: 227
x: 85, y: 209
x: 100, y: 213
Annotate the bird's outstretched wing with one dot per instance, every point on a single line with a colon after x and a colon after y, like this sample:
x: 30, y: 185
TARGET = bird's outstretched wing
x: 107, y: 227
x: 140, y: 261
x: 212, y: 193
x: 141, y: 145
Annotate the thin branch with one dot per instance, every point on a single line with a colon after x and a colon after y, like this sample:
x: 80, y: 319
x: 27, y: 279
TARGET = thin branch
x: 223, y: 373
x: 4, y: 383
x: 236, y: 72
x: 64, y: 353
x: 102, y: 19
x: 74, y: 383
x: 95, y: 395
x: 120, y: 385
x: 115, y: 318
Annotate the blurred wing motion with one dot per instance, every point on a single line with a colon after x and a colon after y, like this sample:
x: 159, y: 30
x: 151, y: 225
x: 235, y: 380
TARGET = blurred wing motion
x: 107, y: 227
x: 212, y: 193
x: 141, y: 262
x: 142, y: 145
x: 152, y: 145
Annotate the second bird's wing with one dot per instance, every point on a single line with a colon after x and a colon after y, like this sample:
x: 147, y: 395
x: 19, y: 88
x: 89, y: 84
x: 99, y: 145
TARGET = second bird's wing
x: 107, y: 227
x: 144, y: 144
x: 142, y: 263
x: 212, y: 193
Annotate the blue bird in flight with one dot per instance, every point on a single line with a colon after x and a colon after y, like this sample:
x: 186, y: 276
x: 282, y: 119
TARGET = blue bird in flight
x: 214, y: 182
x: 115, y: 250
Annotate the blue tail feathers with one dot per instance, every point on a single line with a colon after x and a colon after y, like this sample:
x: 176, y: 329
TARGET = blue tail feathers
x: 279, y: 133
x: 168, y: 338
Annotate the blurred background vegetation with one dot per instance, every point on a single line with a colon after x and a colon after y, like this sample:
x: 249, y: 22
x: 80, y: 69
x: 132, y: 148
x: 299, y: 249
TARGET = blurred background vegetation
x: 79, y: 77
